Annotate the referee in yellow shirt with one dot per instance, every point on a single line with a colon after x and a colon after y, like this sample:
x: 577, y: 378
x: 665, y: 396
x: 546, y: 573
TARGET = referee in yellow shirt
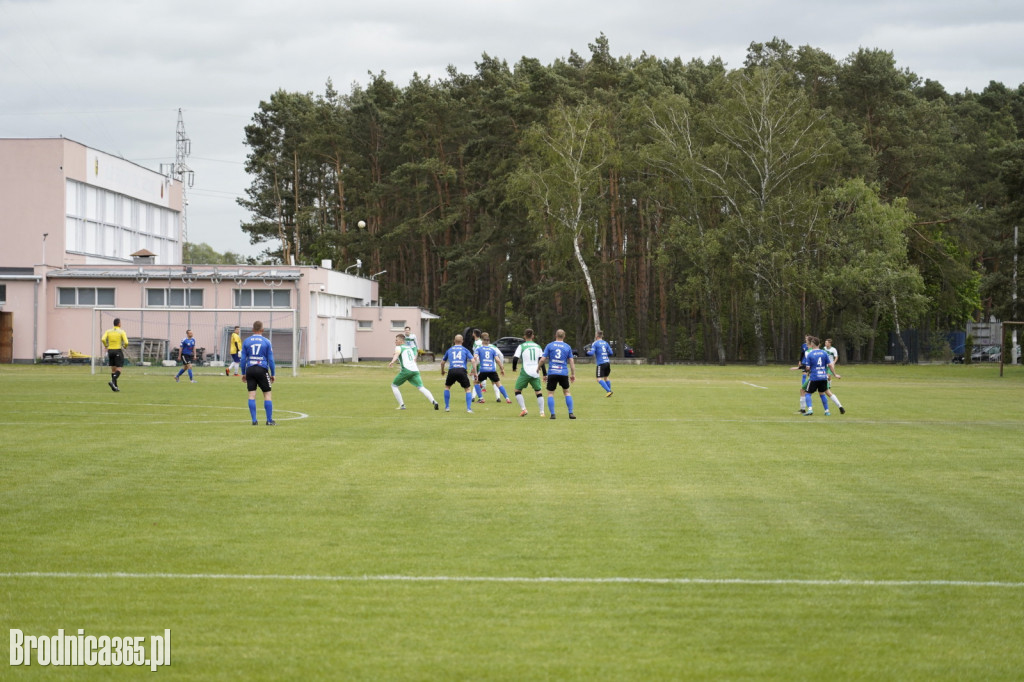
x: 115, y: 341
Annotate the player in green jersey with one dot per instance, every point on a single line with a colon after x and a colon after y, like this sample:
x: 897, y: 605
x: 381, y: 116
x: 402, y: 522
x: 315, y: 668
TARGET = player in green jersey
x: 405, y: 355
x: 528, y: 353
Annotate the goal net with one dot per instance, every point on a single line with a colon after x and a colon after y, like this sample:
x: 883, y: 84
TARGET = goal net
x: 155, y: 334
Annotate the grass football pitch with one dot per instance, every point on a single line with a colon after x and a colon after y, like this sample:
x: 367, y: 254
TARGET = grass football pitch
x: 692, y: 526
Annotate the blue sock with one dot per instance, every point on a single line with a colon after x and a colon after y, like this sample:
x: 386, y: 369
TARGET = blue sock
x: 807, y: 401
x: 268, y: 406
x: 551, y: 404
x: 568, y: 403
x: 252, y: 408
x: 608, y: 384
x: 504, y: 394
x: 824, y: 401
x: 190, y: 373
x: 605, y: 385
x: 447, y: 399
x: 180, y: 372
x: 476, y: 389
x: 469, y: 401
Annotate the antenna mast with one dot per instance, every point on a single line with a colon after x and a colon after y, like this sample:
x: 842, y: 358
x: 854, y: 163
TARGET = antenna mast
x: 182, y: 172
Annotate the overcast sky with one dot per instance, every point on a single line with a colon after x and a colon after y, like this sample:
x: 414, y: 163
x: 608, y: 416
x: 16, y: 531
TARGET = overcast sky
x: 112, y: 74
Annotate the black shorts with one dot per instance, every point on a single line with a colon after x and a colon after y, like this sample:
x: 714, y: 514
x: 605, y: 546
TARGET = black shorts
x: 487, y: 376
x: 257, y: 377
x: 556, y: 380
x: 817, y: 386
x: 457, y: 376
x: 186, y: 359
x: 604, y: 370
x: 115, y: 358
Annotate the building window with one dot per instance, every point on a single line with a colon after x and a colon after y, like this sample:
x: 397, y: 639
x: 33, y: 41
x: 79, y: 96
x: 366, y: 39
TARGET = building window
x: 366, y: 325
x: 3, y: 293
x: 85, y: 297
x: 398, y: 325
x: 174, y: 298
x: 263, y: 298
x: 112, y: 225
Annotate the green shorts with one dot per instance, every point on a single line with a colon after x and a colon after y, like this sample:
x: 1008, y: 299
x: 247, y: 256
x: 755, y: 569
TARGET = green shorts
x: 524, y: 380
x: 406, y: 375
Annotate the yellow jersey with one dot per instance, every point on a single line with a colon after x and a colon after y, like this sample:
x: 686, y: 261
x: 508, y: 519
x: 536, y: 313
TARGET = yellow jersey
x: 114, y: 339
x: 236, y: 343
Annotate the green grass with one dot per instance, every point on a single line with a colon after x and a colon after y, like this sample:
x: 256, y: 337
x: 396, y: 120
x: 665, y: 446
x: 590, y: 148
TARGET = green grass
x: 354, y: 541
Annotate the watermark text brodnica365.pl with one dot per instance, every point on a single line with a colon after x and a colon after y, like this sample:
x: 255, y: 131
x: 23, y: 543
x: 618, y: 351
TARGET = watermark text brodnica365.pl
x: 90, y: 650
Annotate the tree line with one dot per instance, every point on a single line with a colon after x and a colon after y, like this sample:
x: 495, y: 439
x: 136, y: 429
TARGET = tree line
x: 699, y: 213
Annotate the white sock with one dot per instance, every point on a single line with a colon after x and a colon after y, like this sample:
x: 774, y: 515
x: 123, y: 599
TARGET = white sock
x: 836, y: 400
x: 540, y: 403
x: 424, y: 391
x: 519, y: 399
x: 398, y: 395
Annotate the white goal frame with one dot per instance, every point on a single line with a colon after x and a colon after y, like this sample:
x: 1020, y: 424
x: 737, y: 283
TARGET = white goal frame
x: 234, y: 313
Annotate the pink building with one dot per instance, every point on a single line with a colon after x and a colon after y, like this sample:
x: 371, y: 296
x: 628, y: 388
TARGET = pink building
x: 83, y: 230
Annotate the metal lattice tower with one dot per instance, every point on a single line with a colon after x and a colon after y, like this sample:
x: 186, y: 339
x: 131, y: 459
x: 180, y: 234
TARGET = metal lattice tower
x: 182, y: 172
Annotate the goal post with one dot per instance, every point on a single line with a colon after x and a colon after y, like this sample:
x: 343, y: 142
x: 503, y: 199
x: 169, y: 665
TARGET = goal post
x: 1004, y: 345
x: 154, y: 334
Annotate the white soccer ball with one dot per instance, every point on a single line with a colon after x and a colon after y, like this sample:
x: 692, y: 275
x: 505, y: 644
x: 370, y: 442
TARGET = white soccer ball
x: 361, y: 224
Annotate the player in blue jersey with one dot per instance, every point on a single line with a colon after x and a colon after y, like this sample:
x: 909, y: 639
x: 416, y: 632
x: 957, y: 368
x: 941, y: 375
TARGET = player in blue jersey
x: 818, y: 363
x: 805, y: 398
x: 479, y: 387
x: 602, y: 352
x: 459, y: 360
x: 258, y: 371
x: 489, y: 362
x: 186, y: 353
x: 561, y: 368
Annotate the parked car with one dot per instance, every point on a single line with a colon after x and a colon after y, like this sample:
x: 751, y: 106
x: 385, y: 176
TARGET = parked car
x: 508, y: 344
x: 986, y: 354
x: 629, y: 352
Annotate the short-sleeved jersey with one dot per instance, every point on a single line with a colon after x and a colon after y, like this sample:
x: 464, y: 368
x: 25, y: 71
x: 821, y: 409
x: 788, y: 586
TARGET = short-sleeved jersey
x: 257, y: 352
x: 410, y: 340
x: 558, y: 354
x: 486, y: 355
x: 803, y: 353
x: 188, y: 346
x: 114, y: 339
x: 529, y: 352
x: 832, y: 351
x: 817, y: 362
x: 236, y: 343
x: 457, y: 357
x: 602, y: 352
x: 407, y: 358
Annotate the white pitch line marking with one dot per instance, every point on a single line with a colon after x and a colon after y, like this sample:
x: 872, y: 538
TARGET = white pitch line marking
x: 770, y: 582
x: 754, y: 385
x: 164, y: 407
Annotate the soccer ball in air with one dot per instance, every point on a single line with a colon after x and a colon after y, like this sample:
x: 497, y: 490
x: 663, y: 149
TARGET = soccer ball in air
x: 361, y: 224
